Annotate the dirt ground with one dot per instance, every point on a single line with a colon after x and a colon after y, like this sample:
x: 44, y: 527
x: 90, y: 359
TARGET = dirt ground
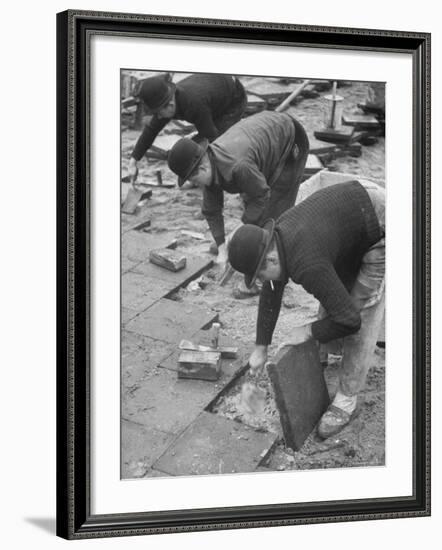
x: 362, y: 443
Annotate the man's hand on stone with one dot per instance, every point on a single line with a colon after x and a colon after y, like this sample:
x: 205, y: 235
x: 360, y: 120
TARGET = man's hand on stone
x: 298, y: 336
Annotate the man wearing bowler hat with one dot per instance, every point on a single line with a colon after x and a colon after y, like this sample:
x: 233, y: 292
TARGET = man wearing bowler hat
x: 262, y: 157
x: 212, y: 102
x: 333, y: 244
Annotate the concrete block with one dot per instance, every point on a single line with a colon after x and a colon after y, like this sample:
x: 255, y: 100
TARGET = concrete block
x: 171, y: 321
x: 213, y: 444
x: 300, y: 391
x: 199, y: 365
x: 168, y: 259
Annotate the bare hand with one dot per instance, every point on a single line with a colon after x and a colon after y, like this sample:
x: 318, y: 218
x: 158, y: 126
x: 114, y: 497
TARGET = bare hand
x: 133, y: 170
x: 258, y: 359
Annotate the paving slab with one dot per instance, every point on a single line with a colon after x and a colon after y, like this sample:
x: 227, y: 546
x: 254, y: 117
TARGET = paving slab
x: 139, y: 292
x: 195, y: 266
x: 167, y: 403
x: 140, y: 448
x: 171, y: 321
x: 300, y: 391
x: 213, y: 444
x: 140, y: 360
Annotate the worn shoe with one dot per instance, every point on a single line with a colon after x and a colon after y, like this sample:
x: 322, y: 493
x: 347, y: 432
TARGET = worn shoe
x: 332, y: 421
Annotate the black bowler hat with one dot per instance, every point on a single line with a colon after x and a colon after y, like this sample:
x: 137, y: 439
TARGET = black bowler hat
x: 248, y: 249
x: 155, y: 92
x: 185, y: 156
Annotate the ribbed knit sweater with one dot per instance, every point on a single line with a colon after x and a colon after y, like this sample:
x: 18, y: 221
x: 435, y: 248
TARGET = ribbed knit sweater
x: 200, y: 99
x: 321, y: 243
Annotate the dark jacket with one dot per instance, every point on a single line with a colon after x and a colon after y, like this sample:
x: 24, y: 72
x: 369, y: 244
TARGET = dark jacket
x: 247, y: 159
x: 200, y: 99
x: 321, y: 243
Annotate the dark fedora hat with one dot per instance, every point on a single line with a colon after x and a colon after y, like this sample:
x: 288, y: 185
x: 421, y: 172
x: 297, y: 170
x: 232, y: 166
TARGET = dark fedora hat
x: 248, y: 248
x: 185, y: 156
x: 155, y: 92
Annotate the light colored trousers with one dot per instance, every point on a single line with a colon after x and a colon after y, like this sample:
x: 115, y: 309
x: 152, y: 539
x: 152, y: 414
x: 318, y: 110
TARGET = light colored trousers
x: 368, y: 294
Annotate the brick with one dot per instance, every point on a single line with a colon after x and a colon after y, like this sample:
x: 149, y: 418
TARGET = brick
x: 168, y: 259
x: 140, y: 448
x: 169, y: 404
x: 213, y: 444
x: 195, y: 266
x: 138, y: 292
x: 361, y: 122
x: 300, y: 391
x: 199, y: 365
x: 171, y: 321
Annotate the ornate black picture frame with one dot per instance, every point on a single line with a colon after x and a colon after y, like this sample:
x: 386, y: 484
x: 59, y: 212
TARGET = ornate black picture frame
x: 74, y: 518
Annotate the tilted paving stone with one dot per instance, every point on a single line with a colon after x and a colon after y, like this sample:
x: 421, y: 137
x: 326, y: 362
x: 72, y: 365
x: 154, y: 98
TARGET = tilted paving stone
x: 213, y: 444
x: 140, y: 448
x: 169, y: 404
x: 171, y: 321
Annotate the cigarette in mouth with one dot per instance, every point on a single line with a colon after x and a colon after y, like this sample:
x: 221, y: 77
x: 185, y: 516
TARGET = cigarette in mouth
x: 271, y: 284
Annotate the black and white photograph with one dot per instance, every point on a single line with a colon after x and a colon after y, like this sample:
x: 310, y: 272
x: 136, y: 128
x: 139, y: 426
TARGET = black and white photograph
x: 253, y: 239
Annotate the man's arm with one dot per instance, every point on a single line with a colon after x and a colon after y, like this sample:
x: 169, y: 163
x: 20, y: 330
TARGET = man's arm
x: 212, y: 209
x: 148, y: 135
x: 342, y: 318
x: 253, y: 184
x: 268, y: 311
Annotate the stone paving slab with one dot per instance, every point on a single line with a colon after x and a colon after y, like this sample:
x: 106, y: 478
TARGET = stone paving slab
x: 215, y: 445
x: 138, y: 292
x: 195, y: 266
x: 140, y: 358
x: 301, y: 393
x: 171, y: 321
x: 168, y: 404
x: 140, y: 448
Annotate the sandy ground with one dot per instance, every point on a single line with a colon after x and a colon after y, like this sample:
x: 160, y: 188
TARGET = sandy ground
x: 362, y: 442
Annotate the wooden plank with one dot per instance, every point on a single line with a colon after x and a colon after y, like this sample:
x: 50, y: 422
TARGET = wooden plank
x: 300, y: 391
x: 168, y: 259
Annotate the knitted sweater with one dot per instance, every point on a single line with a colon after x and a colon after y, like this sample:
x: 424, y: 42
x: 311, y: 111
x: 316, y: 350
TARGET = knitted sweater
x: 321, y: 243
x: 200, y: 99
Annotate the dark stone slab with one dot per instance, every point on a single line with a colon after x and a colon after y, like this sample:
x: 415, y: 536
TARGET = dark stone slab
x: 195, y: 266
x: 213, y: 444
x: 140, y: 448
x: 171, y: 321
x: 300, y: 391
x: 138, y: 292
x: 168, y: 404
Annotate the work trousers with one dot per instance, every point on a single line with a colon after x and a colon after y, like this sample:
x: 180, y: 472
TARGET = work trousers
x: 368, y: 294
